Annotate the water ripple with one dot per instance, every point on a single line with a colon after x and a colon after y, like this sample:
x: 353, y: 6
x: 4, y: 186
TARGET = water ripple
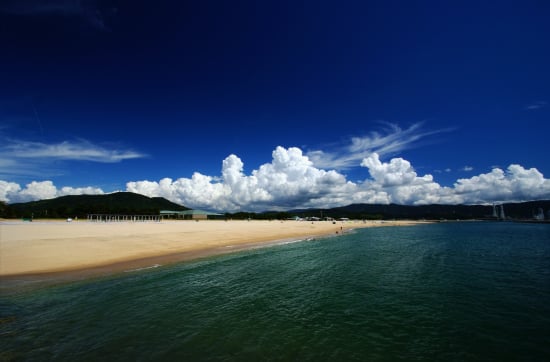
x: 450, y: 292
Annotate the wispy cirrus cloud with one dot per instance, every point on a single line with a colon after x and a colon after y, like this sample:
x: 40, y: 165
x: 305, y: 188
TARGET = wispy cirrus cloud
x: 27, y: 158
x: 536, y: 105
x: 390, y: 140
x: 80, y: 150
x: 91, y: 12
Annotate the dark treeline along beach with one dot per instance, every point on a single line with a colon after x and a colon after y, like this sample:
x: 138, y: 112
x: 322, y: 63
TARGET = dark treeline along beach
x: 131, y: 203
x: 466, y: 291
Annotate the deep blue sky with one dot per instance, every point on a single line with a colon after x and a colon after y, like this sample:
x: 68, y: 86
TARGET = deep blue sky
x: 102, y: 93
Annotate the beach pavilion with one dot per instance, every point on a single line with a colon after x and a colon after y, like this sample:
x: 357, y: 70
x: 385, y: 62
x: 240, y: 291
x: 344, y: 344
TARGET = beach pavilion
x: 190, y: 215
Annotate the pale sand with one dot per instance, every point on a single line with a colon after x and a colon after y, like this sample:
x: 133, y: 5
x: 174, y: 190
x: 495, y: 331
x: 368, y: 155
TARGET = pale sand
x: 54, y: 246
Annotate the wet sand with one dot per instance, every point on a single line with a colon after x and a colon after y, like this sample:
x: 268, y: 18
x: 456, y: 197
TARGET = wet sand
x: 45, y: 247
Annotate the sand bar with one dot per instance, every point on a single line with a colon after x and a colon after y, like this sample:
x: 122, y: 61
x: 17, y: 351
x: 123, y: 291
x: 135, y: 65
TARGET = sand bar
x: 28, y: 248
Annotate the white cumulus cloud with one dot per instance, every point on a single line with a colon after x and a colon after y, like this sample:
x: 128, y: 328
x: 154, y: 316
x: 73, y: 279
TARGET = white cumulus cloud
x: 8, y: 190
x: 40, y: 190
x: 514, y: 184
x: 291, y: 180
x: 399, y: 181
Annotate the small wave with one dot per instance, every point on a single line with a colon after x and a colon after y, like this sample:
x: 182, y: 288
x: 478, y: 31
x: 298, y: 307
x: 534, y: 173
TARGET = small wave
x: 298, y: 240
x: 144, y: 268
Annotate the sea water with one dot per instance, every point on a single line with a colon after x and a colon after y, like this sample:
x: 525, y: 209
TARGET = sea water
x: 471, y: 291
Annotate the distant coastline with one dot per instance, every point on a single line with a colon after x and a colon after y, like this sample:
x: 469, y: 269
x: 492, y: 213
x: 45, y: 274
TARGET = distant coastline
x: 127, y: 203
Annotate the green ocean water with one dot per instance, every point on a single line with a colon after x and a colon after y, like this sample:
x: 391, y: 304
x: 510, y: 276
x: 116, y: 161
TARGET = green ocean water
x: 443, y: 292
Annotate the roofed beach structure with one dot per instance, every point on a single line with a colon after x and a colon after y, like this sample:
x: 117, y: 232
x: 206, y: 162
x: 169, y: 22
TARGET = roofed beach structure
x: 189, y: 215
x: 121, y: 218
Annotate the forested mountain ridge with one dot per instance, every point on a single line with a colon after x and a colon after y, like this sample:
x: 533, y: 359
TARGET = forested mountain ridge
x: 81, y: 205
x: 521, y: 210
x: 135, y: 204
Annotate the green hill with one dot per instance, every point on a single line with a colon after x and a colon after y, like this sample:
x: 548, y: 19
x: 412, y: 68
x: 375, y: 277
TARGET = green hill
x: 126, y: 203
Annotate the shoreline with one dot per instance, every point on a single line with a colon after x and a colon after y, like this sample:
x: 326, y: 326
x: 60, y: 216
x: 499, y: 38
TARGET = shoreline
x: 30, y: 281
x: 52, y: 249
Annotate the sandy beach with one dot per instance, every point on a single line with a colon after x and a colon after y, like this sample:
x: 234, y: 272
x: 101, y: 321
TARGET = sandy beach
x: 29, y: 248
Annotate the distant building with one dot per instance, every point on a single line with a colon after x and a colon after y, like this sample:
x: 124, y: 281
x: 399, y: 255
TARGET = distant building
x: 498, y: 212
x: 539, y: 215
x: 189, y: 215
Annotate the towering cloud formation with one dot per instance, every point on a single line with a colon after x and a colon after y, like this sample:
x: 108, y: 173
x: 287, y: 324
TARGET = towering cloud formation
x: 291, y: 180
x: 400, y: 183
x: 517, y: 183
